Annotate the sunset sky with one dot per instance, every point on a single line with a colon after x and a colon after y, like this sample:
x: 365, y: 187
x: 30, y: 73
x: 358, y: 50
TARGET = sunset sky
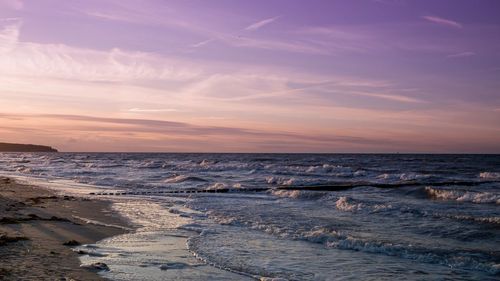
x: 251, y: 76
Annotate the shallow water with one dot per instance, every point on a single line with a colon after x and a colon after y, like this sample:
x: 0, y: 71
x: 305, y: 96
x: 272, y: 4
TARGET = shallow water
x: 396, y: 216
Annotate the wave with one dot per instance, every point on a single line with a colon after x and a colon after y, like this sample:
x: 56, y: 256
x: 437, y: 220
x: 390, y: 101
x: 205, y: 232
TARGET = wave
x: 297, y: 194
x: 463, y: 196
x: 488, y: 220
x: 280, y: 181
x: 151, y: 164
x: 217, y: 186
x: 347, y: 204
x: 24, y: 170
x: 109, y: 165
x: 328, y: 169
x: 490, y: 175
x: 183, y: 178
x: 344, y: 204
x: 291, y: 184
x: 99, y: 223
x: 466, y: 259
x: 402, y: 176
x: 197, y: 253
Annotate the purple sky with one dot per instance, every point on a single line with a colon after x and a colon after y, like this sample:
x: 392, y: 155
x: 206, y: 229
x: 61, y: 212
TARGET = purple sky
x: 270, y: 76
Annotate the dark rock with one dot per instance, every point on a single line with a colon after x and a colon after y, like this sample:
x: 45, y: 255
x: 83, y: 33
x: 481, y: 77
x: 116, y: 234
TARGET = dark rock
x: 4, y: 239
x: 7, y: 220
x: 4, y: 272
x: 98, y: 266
x: 5, y: 180
x: 173, y: 265
x: 54, y: 218
x: 71, y: 243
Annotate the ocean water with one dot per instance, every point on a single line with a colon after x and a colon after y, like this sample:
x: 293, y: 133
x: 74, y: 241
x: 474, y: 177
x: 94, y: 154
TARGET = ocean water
x: 286, y: 216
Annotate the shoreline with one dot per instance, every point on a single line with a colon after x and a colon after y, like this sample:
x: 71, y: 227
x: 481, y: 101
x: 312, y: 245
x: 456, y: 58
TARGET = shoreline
x: 35, y: 223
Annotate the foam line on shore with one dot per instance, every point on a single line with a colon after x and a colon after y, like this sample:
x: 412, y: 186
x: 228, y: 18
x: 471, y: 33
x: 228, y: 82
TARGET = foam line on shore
x: 96, y: 222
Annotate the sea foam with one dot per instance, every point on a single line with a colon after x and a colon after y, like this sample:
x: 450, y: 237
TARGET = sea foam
x: 463, y: 196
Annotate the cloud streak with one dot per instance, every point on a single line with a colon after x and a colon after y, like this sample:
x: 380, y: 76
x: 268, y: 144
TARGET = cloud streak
x: 461, y: 55
x: 135, y: 109
x: 391, y: 97
x: 443, y: 21
x: 261, y: 23
x: 179, y: 131
x: 202, y: 43
x: 12, y: 4
x: 9, y: 35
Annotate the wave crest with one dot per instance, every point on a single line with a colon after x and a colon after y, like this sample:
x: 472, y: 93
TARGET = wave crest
x: 183, y: 178
x: 463, y: 196
x: 490, y: 175
x: 347, y: 205
x: 298, y: 194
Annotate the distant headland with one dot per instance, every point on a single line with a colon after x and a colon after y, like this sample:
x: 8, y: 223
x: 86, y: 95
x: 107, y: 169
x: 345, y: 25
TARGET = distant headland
x: 16, y: 147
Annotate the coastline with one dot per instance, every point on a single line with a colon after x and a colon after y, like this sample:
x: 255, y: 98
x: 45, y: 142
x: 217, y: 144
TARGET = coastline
x: 35, y: 223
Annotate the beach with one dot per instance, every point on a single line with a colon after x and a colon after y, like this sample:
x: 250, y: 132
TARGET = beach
x: 35, y: 225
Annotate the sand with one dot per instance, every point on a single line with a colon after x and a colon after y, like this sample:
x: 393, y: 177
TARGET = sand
x: 35, y: 223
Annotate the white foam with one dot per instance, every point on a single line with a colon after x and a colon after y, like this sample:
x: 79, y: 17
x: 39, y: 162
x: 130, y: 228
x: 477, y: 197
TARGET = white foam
x: 345, y: 204
x: 463, y: 196
x: 217, y: 186
x: 149, y: 215
x: 490, y: 175
x: 297, y: 194
x: 451, y: 259
x: 96, y: 222
x: 401, y: 176
x: 327, y: 168
x: 280, y: 181
x: 182, y: 178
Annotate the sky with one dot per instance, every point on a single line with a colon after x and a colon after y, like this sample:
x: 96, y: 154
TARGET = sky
x: 376, y: 76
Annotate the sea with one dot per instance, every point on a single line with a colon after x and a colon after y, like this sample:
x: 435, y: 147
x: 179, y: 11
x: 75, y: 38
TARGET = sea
x: 285, y: 216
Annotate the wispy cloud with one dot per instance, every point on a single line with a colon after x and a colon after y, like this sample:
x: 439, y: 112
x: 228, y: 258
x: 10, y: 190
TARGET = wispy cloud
x: 9, y: 35
x: 261, y: 23
x: 135, y: 109
x: 13, y: 19
x: 224, y: 37
x: 12, y: 4
x: 443, y: 21
x: 275, y: 45
x: 366, y: 39
x: 392, y: 97
x: 135, y: 14
x: 202, y: 43
x: 461, y: 55
x: 62, y: 61
x: 149, y: 131
x: 109, y: 16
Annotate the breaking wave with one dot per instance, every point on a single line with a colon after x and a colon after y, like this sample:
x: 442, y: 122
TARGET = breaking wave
x: 183, y: 178
x: 298, y: 194
x: 489, y: 176
x: 347, y: 205
x: 463, y: 196
x: 402, y: 177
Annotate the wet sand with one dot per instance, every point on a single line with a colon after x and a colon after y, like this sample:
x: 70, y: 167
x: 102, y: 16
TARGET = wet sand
x: 35, y: 223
